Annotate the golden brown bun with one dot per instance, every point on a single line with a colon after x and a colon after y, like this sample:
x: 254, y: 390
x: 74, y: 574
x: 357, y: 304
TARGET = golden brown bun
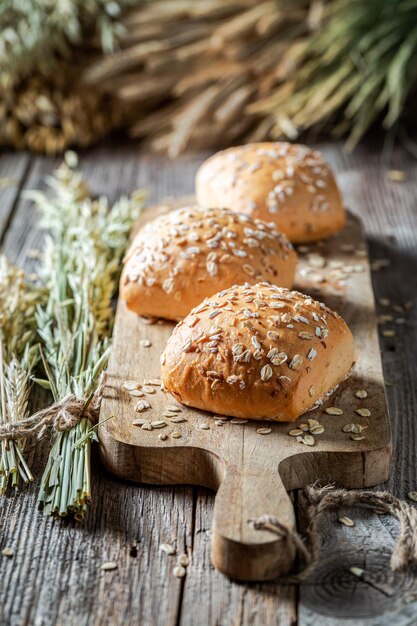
x: 259, y: 352
x: 184, y: 256
x: 289, y: 184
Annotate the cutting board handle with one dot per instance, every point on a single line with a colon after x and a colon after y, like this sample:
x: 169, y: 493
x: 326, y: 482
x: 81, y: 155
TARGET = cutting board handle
x: 239, y: 550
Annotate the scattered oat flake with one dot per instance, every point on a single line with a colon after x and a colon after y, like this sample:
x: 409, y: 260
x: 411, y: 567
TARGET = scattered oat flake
x: 316, y: 260
x: 138, y: 422
x: 204, y: 426
x: 178, y: 419
x: 266, y: 372
x: 357, y: 571
x: 156, y: 382
x: 396, y: 176
x: 183, y: 560
x: 305, y: 427
x: 238, y: 420
x: 378, y: 264
x: 317, y: 430
x: 109, y: 566
x: 296, y: 362
x: 167, y: 548
x: 333, y: 410
x: 346, y: 521
x: 145, y: 343
x: 264, y: 431
x: 363, y: 412
x: 308, y: 440
x: 174, y: 408
x: 137, y: 393
x: 7, y: 182
x: 295, y: 432
x: 357, y: 437
x: 146, y: 426
x: 361, y: 393
x: 348, y: 428
x: 385, y: 319
x: 176, y: 434
x: 158, y: 424
x: 388, y: 333
x: 163, y: 436
x: 130, y: 385
x: 9, y: 552
x: 179, y: 571
x: 413, y: 496
x: 142, y: 405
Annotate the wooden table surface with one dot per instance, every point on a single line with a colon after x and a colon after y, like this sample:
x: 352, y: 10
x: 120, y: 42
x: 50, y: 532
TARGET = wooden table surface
x: 55, y: 576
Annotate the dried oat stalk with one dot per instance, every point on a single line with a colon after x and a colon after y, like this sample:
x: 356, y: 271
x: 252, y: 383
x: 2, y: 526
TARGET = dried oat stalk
x: 50, y: 113
x: 358, y: 67
x: 43, y: 106
x: 84, y: 248
x: 186, y: 72
x: 182, y: 75
x: 35, y: 35
x: 204, y: 74
x: 18, y: 356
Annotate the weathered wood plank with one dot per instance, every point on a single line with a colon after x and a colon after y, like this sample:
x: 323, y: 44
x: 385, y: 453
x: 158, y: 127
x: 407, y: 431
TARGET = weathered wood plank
x: 210, y: 598
x: 13, y: 171
x: 389, y: 212
x: 55, y: 575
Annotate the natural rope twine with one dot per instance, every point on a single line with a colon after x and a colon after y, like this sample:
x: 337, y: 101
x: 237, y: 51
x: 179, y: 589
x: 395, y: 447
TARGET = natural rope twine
x: 62, y: 415
x: 321, y: 499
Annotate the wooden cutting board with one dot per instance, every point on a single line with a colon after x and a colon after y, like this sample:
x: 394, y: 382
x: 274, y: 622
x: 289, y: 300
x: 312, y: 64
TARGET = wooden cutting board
x: 251, y: 472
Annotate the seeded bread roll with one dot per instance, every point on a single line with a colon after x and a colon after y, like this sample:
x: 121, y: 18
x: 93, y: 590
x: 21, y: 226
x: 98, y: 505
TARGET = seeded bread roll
x: 184, y: 256
x: 288, y: 184
x: 258, y: 352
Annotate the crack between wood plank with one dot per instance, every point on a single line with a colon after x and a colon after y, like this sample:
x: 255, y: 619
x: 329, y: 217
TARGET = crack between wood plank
x: 184, y: 580
x: 296, y: 505
x: 16, y: 201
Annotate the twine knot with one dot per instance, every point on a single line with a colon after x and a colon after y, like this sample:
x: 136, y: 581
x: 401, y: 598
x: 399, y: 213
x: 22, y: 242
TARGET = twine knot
x: 62, y: 415
x: 67, y: 412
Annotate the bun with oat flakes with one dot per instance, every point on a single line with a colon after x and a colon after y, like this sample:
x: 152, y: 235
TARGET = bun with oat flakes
x: 183, y: 256
x: 259, y: 352
x: 289, y: 184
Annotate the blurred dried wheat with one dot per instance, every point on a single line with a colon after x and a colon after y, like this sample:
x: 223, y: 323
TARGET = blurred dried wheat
x: 186, y: 71
x: 204, y: 74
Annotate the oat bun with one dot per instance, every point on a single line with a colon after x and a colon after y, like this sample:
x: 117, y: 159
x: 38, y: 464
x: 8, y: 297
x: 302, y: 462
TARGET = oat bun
x: 259, y: 352
x: 289, y: 184
x: 183, y: 256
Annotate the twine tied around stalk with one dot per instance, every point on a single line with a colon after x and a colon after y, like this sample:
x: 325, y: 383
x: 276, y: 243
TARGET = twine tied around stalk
x: 321, y: 499
x: 62, y: 415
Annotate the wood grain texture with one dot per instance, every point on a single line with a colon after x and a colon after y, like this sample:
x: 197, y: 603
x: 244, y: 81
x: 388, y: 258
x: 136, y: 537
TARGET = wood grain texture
x: 252, y: 472
x: 218, y: 601
x: 389, y: 213
x: 55, y: 576
x: 37, y: 595
x: 13, y: 171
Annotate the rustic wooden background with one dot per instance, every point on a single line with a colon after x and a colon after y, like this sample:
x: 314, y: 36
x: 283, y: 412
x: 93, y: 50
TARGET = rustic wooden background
x: 55, y: 576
